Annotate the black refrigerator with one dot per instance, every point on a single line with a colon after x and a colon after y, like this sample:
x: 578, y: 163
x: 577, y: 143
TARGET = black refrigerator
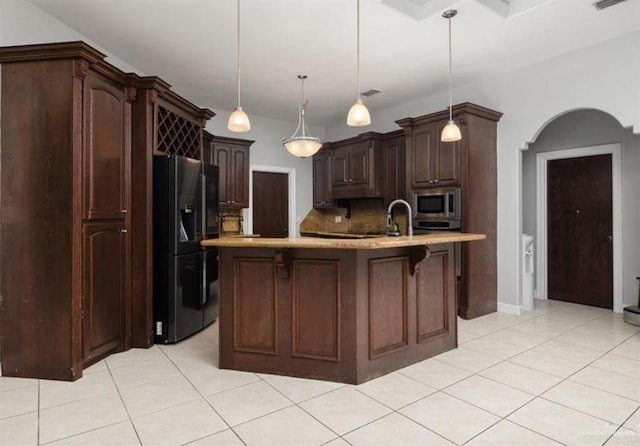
x: 185, y: 274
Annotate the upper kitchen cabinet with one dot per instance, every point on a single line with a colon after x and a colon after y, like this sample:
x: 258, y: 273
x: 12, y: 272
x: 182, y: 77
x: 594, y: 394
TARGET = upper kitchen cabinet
x: 107, y: 133
x: 356, y: 167
x: 393, y: 166
x: 471, y: 165
x: 322, y: 179
x: 66, y: 145
x: 432, y: 163
x: 370, y: 165
x: 231, y: 155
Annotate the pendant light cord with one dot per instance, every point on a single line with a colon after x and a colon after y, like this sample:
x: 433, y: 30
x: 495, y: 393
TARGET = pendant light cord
x: 302, y: 106
x: 450, y: 76
x: 238, y: 50
x: 358, y: 50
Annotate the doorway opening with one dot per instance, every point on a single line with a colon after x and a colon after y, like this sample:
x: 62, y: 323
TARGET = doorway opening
x: 290, y: 173
x: 544, y: 232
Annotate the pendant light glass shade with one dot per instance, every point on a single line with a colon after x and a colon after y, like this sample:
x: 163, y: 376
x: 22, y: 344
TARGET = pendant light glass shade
x: 238, y: 121
x: 302, y: 144
x: 451, y: 132
x: 358, y: 113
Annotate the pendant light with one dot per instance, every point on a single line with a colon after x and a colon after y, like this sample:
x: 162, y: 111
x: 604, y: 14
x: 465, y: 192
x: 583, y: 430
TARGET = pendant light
x: 238, y: 121
x: 450, y: 132
x: 358, y: 114
x: 302, y: 143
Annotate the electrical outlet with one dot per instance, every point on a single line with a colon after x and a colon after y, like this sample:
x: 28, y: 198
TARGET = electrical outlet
x: 338, y: 219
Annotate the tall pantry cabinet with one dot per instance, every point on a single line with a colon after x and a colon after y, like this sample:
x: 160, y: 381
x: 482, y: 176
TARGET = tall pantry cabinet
x: 471, y: 165
x: 64, y: 209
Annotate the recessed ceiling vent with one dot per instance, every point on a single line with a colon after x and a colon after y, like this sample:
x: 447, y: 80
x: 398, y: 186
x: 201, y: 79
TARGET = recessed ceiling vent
x: 371, y: 92
x: 602, y: 4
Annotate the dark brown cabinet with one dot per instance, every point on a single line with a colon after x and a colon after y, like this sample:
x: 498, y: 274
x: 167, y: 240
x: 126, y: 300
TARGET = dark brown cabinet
x: 66, y: 139
x: 106, y: 147
x: 471, y: 165
x: 350, y: 166
x: 433, y: 163
x: 393, y: 167
x: 356, y: 167
x: 231, y: 155
x: 322, y: 179
x: 371, y: 165
x: 104, y: 289
x: 79, y: 285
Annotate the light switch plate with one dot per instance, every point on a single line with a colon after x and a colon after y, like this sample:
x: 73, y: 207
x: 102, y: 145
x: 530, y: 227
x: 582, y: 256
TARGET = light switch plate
x: 338, y: 219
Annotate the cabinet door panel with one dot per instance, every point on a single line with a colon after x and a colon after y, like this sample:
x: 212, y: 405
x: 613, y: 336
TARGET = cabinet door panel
x: 240, y: 177
x: 359, y: 165
x: 446, y: 161
x: 103, y: 289
x: 393, y: 168
x: 222, y: 155
x: 339, y: 168
x: 232, y: 160
x: 106, y: 149
x: 422, y: 156
x: 322, y: 180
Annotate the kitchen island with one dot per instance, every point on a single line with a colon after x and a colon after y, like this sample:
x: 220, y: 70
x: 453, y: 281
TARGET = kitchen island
x: 344, y: 310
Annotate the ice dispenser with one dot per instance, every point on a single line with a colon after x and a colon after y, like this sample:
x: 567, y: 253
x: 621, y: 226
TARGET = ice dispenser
x: 188, y: 218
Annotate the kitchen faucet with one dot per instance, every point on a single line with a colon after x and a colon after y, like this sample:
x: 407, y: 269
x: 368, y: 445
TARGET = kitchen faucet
x: 409, y: 215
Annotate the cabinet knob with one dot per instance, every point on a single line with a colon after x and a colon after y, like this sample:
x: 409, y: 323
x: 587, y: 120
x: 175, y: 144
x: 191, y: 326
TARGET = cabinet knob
x: 123, y: 211
x: 124, y: 231
x: 435, y: 181
x: 350, y: 180
x: 232, y: 202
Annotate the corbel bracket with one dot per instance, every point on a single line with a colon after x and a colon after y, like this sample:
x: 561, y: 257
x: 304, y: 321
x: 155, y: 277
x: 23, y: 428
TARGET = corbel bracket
x: 283, y: 263
x: 416, y: 255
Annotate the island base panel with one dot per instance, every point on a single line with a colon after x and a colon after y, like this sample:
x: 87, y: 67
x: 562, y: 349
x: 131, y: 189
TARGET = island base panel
x: 339, y: 315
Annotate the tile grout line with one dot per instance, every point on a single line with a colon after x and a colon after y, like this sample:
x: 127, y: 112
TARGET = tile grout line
x: 133, y: 426
x: 443, y: 391
x: 205, y: 400
x: 534, y: 396
x: 562, y: 381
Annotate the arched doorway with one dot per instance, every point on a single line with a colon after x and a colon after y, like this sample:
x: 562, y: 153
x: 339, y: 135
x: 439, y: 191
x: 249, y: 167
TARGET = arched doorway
x: 585, y: 133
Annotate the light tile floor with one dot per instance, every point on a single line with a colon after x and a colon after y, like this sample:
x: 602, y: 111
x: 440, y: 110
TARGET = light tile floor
x: 561, y: 374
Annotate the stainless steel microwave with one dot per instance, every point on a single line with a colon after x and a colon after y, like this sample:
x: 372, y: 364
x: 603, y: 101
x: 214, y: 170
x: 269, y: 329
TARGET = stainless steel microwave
x: 441, y: 204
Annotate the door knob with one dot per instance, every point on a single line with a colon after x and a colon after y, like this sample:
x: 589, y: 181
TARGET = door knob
x: 609, y: 238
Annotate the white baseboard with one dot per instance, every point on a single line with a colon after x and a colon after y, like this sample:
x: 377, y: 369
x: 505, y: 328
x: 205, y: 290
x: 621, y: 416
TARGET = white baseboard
x: 511, y: 309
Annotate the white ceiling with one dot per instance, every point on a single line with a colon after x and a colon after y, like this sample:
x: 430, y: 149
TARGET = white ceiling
x: 191, y: 44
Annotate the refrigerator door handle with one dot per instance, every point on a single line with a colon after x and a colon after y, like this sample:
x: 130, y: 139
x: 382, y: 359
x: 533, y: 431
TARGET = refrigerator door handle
x: 203, y: 206
x: 203, y: 296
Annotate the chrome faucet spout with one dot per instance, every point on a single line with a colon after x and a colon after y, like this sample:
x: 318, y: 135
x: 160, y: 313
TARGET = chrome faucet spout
x: 409, y: 215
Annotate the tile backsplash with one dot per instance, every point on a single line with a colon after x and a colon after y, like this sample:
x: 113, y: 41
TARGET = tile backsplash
x: 361, y: 216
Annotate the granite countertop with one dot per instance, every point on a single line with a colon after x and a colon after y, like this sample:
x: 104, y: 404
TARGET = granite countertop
x: 336, y: 243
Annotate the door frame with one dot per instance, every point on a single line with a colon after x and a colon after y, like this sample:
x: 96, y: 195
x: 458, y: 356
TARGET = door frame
x: 291, y: 173
x: 541, y: 214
